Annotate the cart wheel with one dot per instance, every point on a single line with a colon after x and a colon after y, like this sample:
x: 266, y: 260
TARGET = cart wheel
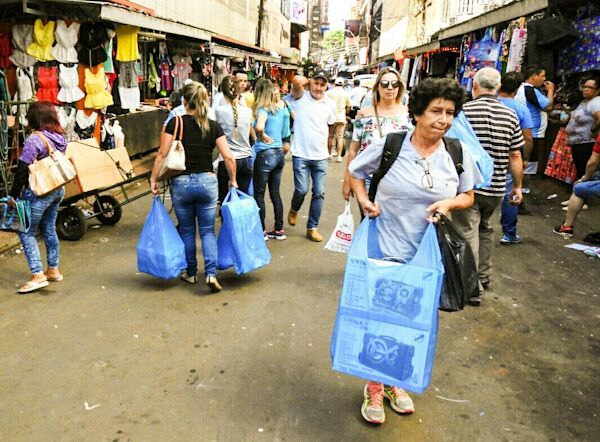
x: 71, y: 223
x: 111, y: 208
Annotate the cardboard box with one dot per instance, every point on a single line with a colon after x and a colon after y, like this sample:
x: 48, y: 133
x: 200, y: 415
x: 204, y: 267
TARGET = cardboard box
x: 96, y: 168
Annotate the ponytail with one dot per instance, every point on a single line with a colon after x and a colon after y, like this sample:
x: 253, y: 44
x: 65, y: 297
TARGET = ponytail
x: 230, y: 86
x: 196, y: 98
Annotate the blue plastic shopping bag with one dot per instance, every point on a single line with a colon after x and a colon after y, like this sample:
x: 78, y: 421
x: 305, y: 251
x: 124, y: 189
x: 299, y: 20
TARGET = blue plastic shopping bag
x: 461, y: 129
x: 241, y: 240
x: 386, y: 325
x: 160, y: 250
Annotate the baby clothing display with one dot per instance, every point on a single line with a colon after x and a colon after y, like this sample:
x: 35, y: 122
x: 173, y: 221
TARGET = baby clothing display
x: 66, y: 39
x: 95, y: 85
x: 92, y: 39
x: 6, y: 50
x: 127, y: 43
x: 22, y: 37
x: 43, y: 39
x: 181, y: 70
x: 48, y: 84
x: 69, y: 83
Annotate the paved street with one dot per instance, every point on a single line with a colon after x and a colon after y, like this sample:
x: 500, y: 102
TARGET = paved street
x: 112, y: 355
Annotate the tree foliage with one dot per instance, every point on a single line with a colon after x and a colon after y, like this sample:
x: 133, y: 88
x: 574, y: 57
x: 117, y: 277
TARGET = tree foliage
x: 334, y: 39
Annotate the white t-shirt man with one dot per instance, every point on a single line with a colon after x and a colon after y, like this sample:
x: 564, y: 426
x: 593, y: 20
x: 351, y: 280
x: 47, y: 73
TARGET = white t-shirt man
x: 312, y: 119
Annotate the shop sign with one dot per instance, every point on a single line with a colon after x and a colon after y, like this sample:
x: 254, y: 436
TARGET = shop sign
x: 299, y: 12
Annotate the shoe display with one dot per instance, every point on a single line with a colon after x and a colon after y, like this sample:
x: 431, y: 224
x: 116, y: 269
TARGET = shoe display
x: 213, y: 284
x: 372, y: 408
x: 564, y: 231
x: 277, y: 234
x: 190, y: 279
x: 314, y: 235
x: 510, y: 239
x: 292, y: 217
x: 400, y: 401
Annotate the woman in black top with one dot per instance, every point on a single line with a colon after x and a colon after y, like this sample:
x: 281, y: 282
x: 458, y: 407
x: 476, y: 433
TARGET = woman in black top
x: 195, y: 191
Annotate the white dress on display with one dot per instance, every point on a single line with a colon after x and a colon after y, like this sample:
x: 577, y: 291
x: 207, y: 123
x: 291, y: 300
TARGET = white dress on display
x: 22, y: 37
x: 69, y: 83
x: 24, y: 93
x: 66, y: 39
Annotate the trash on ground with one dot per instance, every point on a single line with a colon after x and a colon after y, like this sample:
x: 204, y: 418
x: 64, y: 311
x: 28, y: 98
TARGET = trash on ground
x: 592, y: 251
x: 104, y: 240
x: 90, y: 407
x: 459, y: 401
x: 550, y: 197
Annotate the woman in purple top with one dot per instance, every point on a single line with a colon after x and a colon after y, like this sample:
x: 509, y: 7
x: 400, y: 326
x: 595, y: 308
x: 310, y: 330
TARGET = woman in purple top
x: 44, y: 209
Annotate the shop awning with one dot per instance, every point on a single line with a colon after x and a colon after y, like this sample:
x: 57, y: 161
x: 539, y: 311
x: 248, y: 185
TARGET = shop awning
x: 431, y: 46
x: 132, y: 17
x: 505, y: 13
x: 227, y: 51
x: 288, y: 66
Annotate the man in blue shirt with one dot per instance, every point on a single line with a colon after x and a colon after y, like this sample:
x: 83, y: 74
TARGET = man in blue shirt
x: 510, y: 83
x: 537, y: 103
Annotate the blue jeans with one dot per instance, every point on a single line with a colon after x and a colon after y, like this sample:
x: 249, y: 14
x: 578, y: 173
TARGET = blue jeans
x: 509, y: 212
x: 304, y: 170
x: 195, y: 197
x: 243, y: 176
x: 268, y: 168
x: 586, y: 189
x: 44, y: 211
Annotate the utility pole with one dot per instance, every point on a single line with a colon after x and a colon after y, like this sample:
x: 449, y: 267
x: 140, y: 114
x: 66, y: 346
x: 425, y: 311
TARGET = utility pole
x: 261, y: 13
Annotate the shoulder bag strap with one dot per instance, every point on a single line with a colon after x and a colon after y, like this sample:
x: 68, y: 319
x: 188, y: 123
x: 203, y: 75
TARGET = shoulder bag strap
x: 455, y: 150
x: 377, y: 121
x: 391, y: 149
x: 180, y: 128
x: 45, y: 141
x: 176, y: 128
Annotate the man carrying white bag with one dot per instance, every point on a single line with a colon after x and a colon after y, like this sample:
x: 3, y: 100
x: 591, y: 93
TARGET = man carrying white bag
x: 341, y: 237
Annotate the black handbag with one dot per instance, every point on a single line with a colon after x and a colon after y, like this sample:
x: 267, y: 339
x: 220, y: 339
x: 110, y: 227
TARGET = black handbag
x: 461, y: 281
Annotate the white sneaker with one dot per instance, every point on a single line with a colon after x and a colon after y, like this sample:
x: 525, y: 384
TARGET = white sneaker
x: 339, y: 159
x: 564, y: 203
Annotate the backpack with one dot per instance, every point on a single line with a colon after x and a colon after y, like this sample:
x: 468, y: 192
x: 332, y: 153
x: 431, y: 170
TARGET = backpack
x: 391, y: 149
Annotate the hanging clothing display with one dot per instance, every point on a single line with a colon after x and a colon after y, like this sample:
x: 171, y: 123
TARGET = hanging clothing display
x: 69, y: 83
x: 86, y: 124
x: 66, y: 39
x: 166, y: 80
x: 414, y: 76
x: 128, y: 75
x: 584, y: 54
x: 181, y: 70
x: 22, y: 37
x: 127, y: 43
x: 48, y: 84
x: 130, y: 97
x: 220, y: 69
x: 153, y: 78
x: 43, y: 39
x: 66, y: 117
x: 109, y: 67
x: 95, y: 86
x: 92, y: 38
x: 6, y: 51
x: 518, y: 42
x: 24, y: 92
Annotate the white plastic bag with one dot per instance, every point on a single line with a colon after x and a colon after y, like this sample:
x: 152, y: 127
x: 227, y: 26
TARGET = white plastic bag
x: 341, y: 237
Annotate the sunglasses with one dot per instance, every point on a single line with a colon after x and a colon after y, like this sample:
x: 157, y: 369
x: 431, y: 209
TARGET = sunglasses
x: 387, y: 83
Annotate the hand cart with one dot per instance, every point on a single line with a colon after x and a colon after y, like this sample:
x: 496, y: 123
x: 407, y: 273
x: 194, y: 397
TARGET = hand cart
x: 71, y: 222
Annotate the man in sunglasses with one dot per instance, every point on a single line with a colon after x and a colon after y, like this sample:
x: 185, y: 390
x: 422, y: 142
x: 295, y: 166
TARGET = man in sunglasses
x: 313, y: 114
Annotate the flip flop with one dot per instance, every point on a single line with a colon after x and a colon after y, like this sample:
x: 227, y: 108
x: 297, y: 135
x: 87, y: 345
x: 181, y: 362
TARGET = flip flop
x: 31, y: 286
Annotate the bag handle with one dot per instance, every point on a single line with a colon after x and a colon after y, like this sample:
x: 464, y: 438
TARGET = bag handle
x: 178, y: 125
x: 347, y: 209
x: 45, y: 141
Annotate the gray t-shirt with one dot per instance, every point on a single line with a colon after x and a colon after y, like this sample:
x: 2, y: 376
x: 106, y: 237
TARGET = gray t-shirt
x: 403, y: 194
x: 579, y: 129
x: 239, y: 142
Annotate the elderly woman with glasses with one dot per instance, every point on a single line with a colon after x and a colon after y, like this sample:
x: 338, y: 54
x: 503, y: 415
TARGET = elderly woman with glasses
x: 386, y: 114
x: 584, y: 125
x: 422, y: 180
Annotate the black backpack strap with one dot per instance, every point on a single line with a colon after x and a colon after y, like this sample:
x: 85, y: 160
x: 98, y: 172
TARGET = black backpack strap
x: 455, y: 150
x: 391, y: 149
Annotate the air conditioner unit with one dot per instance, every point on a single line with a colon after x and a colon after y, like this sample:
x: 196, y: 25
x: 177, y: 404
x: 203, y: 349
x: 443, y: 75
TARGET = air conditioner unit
x: 452, y: 21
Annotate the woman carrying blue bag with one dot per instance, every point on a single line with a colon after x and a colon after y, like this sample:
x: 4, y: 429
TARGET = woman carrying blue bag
x: 195, y: 191
x: 421, y: 181
x: 272, y: 126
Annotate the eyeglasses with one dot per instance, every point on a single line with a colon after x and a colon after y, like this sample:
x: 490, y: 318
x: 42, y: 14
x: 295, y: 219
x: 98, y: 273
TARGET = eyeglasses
x: 387, y: 83
x: 426, y: 179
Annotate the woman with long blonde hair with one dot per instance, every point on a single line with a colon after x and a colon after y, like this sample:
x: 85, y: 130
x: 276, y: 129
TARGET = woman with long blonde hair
x: 386, y: 114
x: 194, y: 192
x: 236, y: 121
x: 272, y: 126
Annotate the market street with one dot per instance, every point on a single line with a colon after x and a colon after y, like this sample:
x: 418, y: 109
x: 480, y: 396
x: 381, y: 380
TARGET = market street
x: 110, y: 354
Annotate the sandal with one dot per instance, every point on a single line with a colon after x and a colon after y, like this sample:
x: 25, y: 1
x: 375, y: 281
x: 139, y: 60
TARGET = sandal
x: 31, y: 286
x: 56, y: 278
